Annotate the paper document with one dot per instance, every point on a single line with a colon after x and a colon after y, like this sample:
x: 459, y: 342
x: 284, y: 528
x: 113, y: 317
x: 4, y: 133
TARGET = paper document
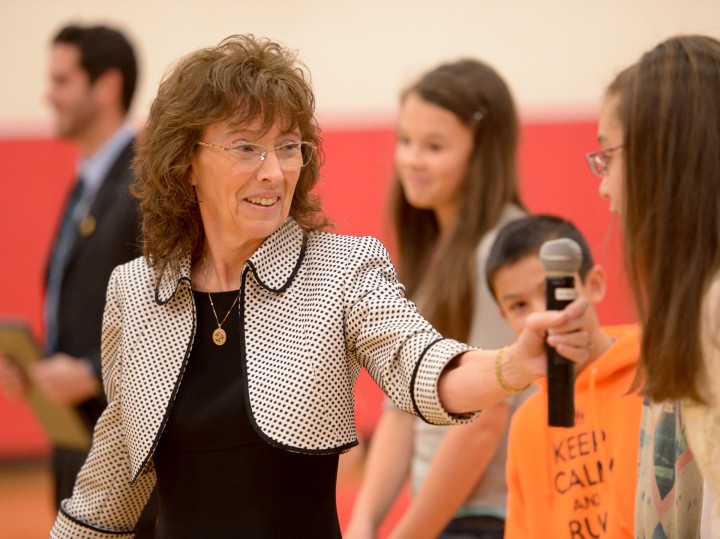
x: 62, y: 424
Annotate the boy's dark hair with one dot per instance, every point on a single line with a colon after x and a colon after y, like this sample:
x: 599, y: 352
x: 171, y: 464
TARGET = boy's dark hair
x: 525, y: 236
x: 102, y: 48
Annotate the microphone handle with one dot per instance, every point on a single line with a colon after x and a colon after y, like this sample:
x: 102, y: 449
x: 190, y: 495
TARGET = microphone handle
x: 560, y: 291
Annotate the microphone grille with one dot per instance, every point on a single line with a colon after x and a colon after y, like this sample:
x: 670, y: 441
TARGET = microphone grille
x: 562, y: 255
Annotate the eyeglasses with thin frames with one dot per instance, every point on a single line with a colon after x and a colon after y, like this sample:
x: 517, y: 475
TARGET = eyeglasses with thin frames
x: 599, y: 161
x: 291, y: 155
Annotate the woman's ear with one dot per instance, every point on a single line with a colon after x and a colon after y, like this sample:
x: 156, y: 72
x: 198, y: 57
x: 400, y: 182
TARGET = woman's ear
x: 190, y: 175
x: 595, y: 284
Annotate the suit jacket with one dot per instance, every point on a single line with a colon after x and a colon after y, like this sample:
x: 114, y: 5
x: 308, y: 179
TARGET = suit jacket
x: 314, y: 308
x: 114, y: 241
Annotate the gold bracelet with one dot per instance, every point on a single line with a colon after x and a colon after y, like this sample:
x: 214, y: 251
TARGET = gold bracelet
x: 498, y: 373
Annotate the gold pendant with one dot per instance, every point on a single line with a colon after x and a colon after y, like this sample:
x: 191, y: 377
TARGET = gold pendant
x: 219, y: 336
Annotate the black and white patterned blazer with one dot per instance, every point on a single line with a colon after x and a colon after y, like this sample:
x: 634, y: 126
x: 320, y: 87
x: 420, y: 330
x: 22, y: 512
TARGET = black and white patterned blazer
x: 314, y: 309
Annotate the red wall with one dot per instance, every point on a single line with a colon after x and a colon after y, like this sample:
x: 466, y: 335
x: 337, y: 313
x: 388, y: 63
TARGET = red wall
x: 38, y: 172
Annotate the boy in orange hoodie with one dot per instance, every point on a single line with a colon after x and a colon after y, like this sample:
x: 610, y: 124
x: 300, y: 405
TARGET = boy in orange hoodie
x: 579, y: 482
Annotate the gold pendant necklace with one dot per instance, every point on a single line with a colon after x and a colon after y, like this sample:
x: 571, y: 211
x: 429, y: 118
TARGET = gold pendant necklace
x: 219, y: 336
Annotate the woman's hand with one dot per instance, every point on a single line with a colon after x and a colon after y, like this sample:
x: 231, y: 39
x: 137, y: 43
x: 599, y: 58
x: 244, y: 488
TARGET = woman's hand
x: 471, y: 381
x: 565, y: 330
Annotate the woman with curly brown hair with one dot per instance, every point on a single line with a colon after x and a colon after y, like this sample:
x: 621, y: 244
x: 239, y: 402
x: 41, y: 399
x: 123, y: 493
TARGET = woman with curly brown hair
x: 231, y: 348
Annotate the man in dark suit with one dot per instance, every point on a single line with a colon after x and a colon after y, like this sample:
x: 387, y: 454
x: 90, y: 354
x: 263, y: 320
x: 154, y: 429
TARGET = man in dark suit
x: 92, y: 77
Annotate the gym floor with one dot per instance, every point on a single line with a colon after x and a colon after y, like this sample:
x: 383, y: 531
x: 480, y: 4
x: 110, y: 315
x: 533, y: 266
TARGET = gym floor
x: 26, y: 499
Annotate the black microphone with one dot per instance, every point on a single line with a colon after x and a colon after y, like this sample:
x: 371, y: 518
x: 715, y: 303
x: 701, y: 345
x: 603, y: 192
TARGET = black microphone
x: 561, y: 259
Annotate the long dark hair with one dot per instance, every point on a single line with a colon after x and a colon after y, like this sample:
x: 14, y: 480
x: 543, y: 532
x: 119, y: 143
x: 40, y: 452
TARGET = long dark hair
x: 475, y: 93
x: 671, y: 213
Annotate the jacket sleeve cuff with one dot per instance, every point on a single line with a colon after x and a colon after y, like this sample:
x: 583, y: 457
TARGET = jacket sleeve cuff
x: 66, y: 526
x: 424, y: 385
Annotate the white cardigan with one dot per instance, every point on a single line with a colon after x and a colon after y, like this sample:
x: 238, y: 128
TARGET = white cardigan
x: 314, y: 309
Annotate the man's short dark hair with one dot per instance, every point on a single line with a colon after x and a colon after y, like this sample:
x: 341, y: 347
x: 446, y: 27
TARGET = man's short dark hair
x: 102, y: 48
x: 525, y: 236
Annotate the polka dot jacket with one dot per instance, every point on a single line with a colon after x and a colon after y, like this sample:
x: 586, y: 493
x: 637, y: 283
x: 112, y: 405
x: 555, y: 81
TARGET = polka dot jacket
x: 314, y: 309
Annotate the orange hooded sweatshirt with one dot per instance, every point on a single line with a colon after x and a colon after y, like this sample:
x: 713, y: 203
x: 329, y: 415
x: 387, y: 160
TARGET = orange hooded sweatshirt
x: 579, y: 482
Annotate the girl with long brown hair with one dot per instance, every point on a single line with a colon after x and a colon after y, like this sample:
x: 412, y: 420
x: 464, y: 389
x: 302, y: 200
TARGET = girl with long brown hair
x: 669, y: 199
x: 455, y: 186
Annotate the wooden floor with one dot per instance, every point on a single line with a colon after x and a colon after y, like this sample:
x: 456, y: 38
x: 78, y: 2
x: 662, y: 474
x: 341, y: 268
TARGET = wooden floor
x: 27, y: 507
x: 26, y: 502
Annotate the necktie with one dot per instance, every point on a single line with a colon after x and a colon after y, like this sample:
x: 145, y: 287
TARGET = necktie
x: 67, y: 234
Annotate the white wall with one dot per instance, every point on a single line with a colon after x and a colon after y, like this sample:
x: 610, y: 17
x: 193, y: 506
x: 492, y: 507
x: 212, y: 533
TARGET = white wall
x: 556, y: 54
